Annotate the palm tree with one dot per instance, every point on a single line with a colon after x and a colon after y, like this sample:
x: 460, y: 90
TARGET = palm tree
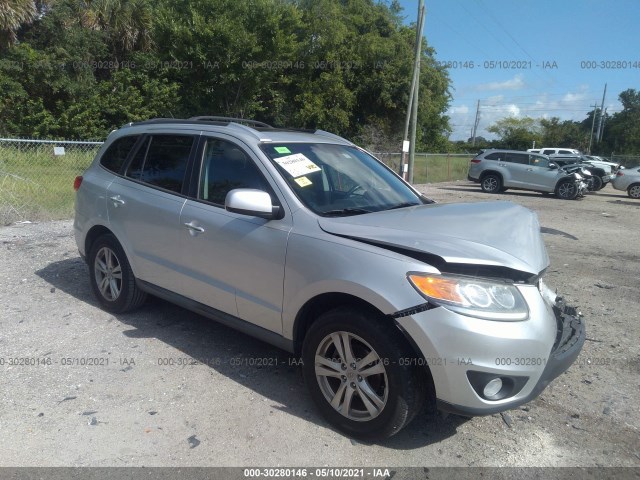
x: 127, y: 22
x: 14, y: 14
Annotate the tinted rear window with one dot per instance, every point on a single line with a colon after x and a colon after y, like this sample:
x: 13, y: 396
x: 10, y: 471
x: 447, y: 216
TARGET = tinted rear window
x: 115, y: 156
x: 521, y: 158
x: 162, y: 161
x: 494, y: 156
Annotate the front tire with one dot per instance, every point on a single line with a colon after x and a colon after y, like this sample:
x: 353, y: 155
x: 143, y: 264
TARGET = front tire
x: 491, y: 183
x: 567, y: 190
x: 634, y: 190
x: 111, y: 277
x: 352, y: 368
x: 597, y: 183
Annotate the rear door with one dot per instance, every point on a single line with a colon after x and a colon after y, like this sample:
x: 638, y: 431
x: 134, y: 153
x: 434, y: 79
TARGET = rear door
x: 144, y: 206
x: 235, y: 263
x: 517, y: 165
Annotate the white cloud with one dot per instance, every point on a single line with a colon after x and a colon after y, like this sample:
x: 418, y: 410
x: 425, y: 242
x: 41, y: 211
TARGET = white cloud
x: 570, y: 105
x: 516, y: 83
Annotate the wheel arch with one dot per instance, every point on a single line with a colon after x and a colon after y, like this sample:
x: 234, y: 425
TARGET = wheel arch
x: 93, y: 234
x: 563, y: 179
x: 322, y: 303
x: 325, y: 302
x: 494, y: 172
x: 634, y: 184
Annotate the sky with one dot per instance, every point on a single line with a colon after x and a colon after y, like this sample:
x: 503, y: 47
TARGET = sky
x: 542, y: 58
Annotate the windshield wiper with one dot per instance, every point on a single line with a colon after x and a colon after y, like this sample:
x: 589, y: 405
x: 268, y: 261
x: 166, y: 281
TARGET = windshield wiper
x: 403, y: 205
x: 345, y: 211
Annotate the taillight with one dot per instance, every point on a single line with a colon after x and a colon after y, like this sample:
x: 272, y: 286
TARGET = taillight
x: 77, y: 182
x: 619, y: 174
x: 476, y: 160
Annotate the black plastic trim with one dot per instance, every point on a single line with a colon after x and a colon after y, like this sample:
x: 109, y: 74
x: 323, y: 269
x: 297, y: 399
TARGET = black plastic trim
x: 413, y: 310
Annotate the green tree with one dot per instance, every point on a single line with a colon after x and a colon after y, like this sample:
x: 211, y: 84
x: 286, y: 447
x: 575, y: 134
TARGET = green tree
x: 127, y: 23
x: 567, y: 133
x: 517, y: 133
x: 128, y: 96
x: 622, y: 130
x: 13, y: 15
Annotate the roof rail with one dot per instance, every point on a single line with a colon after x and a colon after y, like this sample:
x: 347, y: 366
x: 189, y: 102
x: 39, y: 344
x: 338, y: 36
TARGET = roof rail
x: 332, y: 135
x: 209, y: 118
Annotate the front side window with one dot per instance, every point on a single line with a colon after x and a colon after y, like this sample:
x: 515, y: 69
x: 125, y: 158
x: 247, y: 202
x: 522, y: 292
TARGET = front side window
x: 226, y: 167
x: 162, y: 160
x: 538, y: 161
x: 115, y: 156
x: 336, y: 180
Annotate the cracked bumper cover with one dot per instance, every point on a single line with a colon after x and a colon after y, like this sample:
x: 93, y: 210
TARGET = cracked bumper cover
x: 570, y: 338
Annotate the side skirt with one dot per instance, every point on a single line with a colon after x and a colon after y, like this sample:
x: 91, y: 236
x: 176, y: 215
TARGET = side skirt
x: 221, y: 317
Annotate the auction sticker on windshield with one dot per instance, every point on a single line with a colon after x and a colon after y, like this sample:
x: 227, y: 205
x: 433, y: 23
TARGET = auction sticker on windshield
x: 297, y: 165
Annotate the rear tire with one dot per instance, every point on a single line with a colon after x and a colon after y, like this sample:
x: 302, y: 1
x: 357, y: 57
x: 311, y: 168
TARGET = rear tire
x: 111, y: 277
x: 634, y: 190
x: 372, y: 400
x: 491, y: 183
x: 566, y: 190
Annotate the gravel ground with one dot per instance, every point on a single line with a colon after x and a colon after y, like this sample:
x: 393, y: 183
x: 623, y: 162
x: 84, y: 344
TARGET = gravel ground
x: 214, y: 407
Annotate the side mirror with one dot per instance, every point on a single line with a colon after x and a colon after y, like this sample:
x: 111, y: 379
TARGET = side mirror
x: 553, y: 166
x: 247, y: 201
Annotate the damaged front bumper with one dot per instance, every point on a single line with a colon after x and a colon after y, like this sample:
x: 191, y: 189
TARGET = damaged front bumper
x: 570, y: 337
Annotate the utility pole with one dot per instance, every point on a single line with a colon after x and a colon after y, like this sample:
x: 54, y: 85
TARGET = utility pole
x: 412, y: 107
x: 601, y: 114
x: 402, y: 169
x: 593, y: 123
x: 604, y: 119
x: 475, y: 125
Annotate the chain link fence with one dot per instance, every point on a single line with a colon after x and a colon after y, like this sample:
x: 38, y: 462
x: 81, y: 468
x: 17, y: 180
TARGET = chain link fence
x: 626, y: 160
x: 432, y: 167
x: 36, y: 177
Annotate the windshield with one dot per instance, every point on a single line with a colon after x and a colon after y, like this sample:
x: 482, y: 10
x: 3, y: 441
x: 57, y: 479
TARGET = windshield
x: 335, y: 180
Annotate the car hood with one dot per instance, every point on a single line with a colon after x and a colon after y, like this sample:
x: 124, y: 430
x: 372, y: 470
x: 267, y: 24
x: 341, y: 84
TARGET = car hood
x: 500, y: 234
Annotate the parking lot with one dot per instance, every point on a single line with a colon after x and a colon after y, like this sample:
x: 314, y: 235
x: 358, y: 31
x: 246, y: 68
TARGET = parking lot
x: 165, y: 387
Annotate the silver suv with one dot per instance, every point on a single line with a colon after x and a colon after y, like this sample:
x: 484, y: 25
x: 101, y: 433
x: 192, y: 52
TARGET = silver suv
x: 498, y: 170
x: 308, y: 242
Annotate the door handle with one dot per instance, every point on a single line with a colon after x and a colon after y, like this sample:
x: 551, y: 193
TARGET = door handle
x: 194, y: 228
x: 117, y: 201
x: 529, y: 169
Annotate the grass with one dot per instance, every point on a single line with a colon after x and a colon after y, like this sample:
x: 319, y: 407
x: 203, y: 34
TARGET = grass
x: 432, y: 168
x: 35, y: 184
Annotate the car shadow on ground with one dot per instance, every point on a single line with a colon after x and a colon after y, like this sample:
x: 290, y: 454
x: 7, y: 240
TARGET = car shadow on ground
x: 625, y: 202
x: 476, y: 189
x: 266, y: 370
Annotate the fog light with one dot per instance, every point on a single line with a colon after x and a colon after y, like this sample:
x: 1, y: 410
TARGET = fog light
x: 492, y: 388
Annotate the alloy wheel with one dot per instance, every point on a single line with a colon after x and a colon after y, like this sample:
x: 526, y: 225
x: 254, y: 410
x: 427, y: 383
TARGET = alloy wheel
x: 108, y: 274
x: 351, y: 376
x: 567, y: 190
